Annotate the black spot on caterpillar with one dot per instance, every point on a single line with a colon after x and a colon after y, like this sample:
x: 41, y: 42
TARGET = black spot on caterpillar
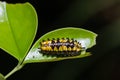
x: 63, y: 47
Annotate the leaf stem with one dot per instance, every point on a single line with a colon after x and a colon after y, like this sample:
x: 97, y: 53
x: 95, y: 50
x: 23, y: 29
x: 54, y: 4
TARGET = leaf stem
x: 18, y: 67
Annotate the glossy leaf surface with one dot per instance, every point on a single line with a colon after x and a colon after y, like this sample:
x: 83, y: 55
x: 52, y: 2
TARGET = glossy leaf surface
x: 85, y: 37
x: 18, y: 25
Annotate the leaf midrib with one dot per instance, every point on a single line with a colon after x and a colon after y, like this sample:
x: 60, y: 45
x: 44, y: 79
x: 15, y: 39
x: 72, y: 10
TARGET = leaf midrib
x: 12, y: 33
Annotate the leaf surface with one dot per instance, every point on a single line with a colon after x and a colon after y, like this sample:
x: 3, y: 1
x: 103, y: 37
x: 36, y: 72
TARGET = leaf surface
x: 1, y: 77
x: 85, y: 37
x: 18, y: 26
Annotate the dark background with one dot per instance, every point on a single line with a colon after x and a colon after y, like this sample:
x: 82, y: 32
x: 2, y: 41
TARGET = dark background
x: 99, y: 16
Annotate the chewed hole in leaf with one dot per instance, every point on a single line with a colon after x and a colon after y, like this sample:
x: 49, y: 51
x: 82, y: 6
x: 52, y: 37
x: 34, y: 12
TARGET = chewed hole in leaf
x: 61, y: 47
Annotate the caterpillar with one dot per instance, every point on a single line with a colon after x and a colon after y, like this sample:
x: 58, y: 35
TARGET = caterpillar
x: 63, y: 47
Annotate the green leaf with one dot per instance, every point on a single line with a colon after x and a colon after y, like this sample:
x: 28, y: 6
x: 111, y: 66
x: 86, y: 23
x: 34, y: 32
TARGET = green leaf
x: 85, y: 37
x: 1, y: 77
x: 18, y: 26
